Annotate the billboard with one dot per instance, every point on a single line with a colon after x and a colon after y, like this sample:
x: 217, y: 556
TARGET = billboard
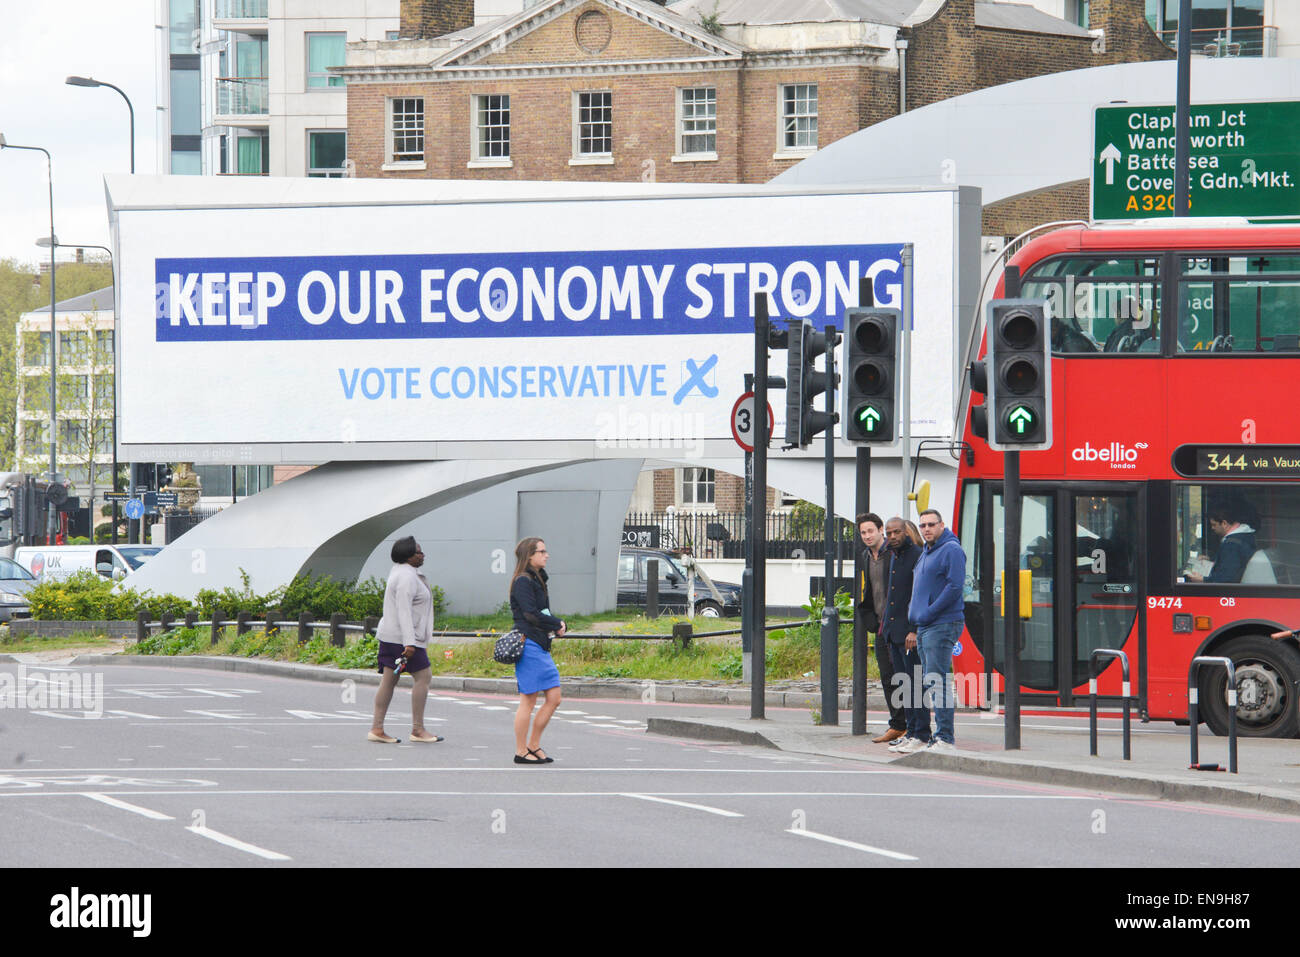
x: 377, y: 319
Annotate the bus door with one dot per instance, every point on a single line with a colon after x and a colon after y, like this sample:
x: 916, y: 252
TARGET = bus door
x: 1081, y: 546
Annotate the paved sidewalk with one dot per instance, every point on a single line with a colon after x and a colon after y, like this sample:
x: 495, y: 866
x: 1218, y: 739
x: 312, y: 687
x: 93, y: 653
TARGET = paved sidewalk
x: 1054, y: 748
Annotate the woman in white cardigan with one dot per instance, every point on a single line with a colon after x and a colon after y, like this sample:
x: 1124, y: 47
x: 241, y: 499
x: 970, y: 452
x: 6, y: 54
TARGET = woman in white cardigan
x: 404, y: 632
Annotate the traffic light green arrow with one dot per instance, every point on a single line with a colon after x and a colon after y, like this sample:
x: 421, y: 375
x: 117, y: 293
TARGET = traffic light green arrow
x: 869, y: 418
x: 1020, y: 419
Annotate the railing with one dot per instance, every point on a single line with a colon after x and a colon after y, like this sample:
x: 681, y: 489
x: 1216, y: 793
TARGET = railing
x: 178, y: 523
x: 723, y: 534
x: 241, y: 96
x: 1229, y: 41
x: 241, y: 9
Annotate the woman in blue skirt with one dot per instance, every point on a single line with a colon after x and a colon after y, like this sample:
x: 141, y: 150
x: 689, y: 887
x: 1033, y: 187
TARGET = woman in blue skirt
x: 535, y: 671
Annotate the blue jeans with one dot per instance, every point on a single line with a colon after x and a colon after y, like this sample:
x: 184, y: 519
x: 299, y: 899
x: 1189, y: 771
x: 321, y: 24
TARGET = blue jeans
x: 936, y: 643
x: 908, y: 685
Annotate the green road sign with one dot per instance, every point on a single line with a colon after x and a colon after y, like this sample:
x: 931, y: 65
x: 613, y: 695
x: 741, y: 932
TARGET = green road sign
x: 1244, y: 160
x: 1021, y: 420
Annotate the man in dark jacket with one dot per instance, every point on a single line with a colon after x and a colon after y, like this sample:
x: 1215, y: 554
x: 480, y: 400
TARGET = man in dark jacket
x: 872, y: 584
x: 898, y: 633
x: 938, y: 610
x: 1236, y: 546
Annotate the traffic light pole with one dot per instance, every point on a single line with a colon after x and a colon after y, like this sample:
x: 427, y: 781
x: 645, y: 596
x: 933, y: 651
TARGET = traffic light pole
x: 830, y: 652
x: 861, y: 505
x: 905, y: 379
x: 758, y: 522
x: 747, y: 576
x: 1011, y: 598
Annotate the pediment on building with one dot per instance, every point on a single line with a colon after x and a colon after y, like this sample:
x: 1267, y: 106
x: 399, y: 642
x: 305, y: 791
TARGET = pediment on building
x: 577, y: 32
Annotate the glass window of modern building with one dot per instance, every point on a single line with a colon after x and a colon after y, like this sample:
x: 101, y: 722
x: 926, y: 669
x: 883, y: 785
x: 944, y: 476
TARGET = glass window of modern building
x: 325, y: 50
x: 327, y: 150
x: 1219, y: 27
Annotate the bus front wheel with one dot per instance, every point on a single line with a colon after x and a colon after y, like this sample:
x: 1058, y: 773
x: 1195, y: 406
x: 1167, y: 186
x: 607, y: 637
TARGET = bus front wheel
x: 1268, y: 682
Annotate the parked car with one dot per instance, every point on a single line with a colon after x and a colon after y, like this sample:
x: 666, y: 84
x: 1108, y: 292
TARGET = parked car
x: 632, y: 579
x: 15, y: 583
x: 49, y: 563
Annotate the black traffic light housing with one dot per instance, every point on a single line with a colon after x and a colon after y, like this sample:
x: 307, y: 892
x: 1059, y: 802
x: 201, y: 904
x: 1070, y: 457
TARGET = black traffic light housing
x: 872, y: 403
x: 1019, y: 371
x: 979, y: 414
x: 803, y: 383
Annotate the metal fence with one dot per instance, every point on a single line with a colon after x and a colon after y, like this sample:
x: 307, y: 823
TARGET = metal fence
x: 178, y: 523
x: 724, y: 534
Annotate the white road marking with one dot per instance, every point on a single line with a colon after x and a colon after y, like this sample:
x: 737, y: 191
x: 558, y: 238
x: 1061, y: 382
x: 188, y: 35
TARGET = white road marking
x: 495, y: 707
x: 125, y: 806
x: 569, y: 712
x: 851, y: 844
x: 600, y: 717
x: 629, y: 721
x: 237, y: 844
x: 695, y: 807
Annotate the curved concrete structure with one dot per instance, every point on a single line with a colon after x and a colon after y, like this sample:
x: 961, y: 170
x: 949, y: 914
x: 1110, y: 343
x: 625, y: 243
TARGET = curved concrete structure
x: 1029, y: 135
x: 326, y: 521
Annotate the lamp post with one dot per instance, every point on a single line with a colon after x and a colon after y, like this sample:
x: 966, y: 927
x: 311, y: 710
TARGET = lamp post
x: 54, y: 339
x: 88, y: 81
x: 45, y: 242
x: 133, y: 527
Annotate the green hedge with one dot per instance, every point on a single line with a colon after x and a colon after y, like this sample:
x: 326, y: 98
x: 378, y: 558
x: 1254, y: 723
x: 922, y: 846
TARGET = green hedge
x: 88, y: 597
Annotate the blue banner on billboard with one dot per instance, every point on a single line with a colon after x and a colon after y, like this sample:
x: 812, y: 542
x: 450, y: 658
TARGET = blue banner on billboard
x: 506, y: 295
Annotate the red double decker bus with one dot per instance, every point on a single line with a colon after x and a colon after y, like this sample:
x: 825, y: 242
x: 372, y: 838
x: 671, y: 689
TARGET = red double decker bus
x: 1165, y: 519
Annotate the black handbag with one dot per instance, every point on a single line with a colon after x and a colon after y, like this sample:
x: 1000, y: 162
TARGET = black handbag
x: 509, y: 648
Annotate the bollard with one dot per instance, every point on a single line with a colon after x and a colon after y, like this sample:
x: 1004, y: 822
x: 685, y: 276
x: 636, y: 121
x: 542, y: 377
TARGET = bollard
x: 165, y: 621
x: 243, y: 623
x: 141, y: 626
x: 190, y: 618
x: 336, y: 631
x: 304, y: 627
x: 371, y: 624
x: 682, y: 634
x: 217, y: 617
x: 652, y: 588
x: 272, y: 616
x: 1092, y: 699
x: 1192, y: 708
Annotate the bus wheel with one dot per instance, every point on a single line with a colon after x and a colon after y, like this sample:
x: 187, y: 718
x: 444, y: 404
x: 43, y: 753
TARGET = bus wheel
x: 1268, y: 679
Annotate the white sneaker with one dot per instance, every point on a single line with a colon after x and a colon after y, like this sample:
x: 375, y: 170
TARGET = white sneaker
x: 899, y: 744
x: 941, y: 747
x: 912, y: 746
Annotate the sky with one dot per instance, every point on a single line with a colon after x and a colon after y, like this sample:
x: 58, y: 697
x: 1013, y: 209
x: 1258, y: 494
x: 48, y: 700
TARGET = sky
x: 86, y: 130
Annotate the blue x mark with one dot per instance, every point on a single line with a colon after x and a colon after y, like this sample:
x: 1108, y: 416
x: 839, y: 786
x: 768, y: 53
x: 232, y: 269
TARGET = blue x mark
x: 695, y: 380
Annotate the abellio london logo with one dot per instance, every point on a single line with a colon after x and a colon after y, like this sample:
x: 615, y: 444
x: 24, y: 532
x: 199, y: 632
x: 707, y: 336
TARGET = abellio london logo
x: 1116, y: 454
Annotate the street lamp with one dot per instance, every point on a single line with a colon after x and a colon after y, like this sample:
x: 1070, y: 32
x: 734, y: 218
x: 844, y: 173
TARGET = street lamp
x: 54, y: 339
x: 133, y: 527
x: 42, y: 242
x: 87, y: 81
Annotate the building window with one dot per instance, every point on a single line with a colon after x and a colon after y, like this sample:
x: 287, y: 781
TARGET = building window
x: 492, y: 127
x: 327, y: 151
x: 392, y: 34
x: 254, y: 154
x: 325, y: 50
x: 698, y: 486
x: 36, y: 349
x: 104, y: 344
x: 697, y: 125
x: 799, y: 116
x: 406, y: 132
x: 595, y: 124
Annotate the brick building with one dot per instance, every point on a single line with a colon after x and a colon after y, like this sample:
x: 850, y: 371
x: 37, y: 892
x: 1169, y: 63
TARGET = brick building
x: 725, y: 91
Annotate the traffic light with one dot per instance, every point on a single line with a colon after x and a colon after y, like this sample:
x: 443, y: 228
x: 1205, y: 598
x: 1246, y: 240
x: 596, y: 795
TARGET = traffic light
x: 871, y: 376
x: 803, y: 383
x: 979, y: 414
x: 162, y: 475
x: 1020, y: 374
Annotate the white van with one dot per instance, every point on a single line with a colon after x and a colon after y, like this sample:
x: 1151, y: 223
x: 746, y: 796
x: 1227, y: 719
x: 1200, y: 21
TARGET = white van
x: 63, y: 561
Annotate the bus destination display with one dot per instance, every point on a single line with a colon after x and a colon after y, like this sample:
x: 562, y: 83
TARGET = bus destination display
x: 1238, y: 461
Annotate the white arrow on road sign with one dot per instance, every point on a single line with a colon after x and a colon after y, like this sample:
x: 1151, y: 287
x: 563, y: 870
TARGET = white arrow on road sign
x: 1110, y: 156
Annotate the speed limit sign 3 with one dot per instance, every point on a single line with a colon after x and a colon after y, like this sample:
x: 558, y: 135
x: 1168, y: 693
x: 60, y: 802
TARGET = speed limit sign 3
x: 742, y: 421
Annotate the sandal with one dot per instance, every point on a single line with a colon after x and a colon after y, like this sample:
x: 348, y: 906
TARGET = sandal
x: 431, y: 739
x: 544, y: 759
x: 520, y: 759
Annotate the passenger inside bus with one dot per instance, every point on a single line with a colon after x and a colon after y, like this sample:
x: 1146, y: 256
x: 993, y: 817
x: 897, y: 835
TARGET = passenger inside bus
x: 1238, y: 551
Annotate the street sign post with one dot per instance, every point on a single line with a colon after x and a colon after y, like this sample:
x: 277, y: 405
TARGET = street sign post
x: 1244, y: 160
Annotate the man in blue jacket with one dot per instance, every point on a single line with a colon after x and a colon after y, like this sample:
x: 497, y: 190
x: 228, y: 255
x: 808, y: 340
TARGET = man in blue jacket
x: 938, y: 611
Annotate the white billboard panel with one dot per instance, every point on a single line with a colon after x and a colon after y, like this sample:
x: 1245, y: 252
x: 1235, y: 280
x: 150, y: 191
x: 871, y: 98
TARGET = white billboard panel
x: 368, y: 322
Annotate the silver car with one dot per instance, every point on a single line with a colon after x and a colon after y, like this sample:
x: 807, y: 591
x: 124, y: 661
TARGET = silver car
x: 15, y: 583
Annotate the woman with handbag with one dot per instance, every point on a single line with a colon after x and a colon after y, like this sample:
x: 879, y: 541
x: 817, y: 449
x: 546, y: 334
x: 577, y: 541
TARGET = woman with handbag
x: 535, y: 672
x: 404, y: 634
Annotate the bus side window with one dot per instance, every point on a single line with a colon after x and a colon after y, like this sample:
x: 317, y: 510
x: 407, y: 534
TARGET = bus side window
x: 1230, y: 534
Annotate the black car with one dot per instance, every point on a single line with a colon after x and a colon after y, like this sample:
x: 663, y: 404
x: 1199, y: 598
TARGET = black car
x: 632, y: 577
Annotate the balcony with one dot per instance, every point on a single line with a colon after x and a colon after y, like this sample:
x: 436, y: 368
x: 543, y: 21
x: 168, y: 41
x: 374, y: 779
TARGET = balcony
x: 241, y: 96
x: 244, y: 12
x: 1229, y: 41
